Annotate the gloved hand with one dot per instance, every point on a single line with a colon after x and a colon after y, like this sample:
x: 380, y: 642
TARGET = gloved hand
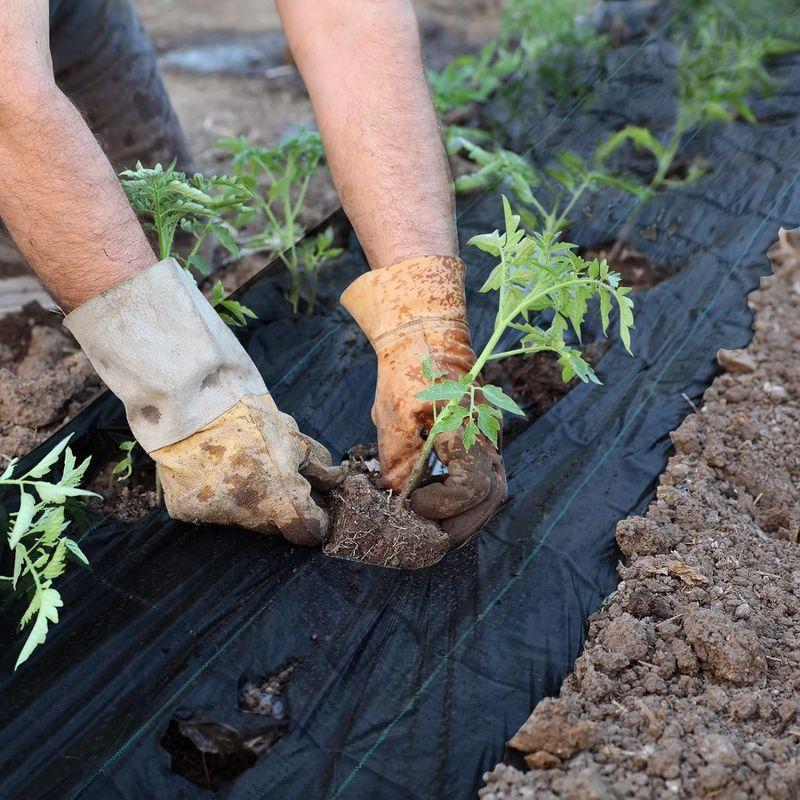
x: 413, y: 309
x: 197, y: 404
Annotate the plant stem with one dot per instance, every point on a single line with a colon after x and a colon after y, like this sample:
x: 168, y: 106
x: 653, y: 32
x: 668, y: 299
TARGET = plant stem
x: 485, y: 356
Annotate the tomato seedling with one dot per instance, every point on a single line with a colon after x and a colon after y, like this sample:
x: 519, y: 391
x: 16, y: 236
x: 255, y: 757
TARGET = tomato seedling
x: 535, y: 273
x: 278, y: 178
x: 35, y: 535
x: 169, y: 201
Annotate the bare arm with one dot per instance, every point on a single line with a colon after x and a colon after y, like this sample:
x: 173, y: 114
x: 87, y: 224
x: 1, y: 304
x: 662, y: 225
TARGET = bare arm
x: 59, y: 196
x: 362, y: 64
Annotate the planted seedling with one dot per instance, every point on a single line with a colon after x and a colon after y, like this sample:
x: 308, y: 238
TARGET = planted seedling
x: 719, y: 70
x: 278, y: 178
x: 540, y: 35
x: 35, y: 536
x: 537, y: 275
x: 169, y: 201
x: 124, y: 468
x: 549, y: 196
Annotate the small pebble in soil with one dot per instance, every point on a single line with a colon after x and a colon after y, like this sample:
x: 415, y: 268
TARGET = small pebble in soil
x: 367, y: 526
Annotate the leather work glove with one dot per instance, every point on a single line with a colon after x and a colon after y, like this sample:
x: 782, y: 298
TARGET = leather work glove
x: 197, y: 404
x: 413, y: 309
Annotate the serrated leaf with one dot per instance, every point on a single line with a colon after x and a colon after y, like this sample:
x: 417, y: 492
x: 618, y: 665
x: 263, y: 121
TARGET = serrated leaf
x: 446, y: 390
x: 488, y: 423
x: 429, y: 369
x: 56, y: 564
x: 49, y: 603
x: 75, y: 549
x: 9, y: 470
x: 497, y: 397
x: 225, y: 238
x: 488, y: 242
x: 605, y: 310
x: 53, y: 493
x: 470, y: 435
x: 43, y: 467
x: 22, y: 519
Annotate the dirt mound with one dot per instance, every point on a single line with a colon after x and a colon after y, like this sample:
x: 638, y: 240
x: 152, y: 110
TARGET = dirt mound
x: 44, y: 379
x: 689, y: 683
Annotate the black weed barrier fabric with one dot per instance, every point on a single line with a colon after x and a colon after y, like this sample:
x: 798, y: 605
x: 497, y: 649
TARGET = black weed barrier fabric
x: 402, y: 685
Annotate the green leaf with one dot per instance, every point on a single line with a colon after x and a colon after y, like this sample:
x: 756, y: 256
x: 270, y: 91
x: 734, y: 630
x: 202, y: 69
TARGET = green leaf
x: 451, y: 419
x: 488, y: 242
x: 429, y: 369
x: 43, y: 467
x: 225, y: 238
x: 488, y: 423
x: 605, y: 309
x: 9, y: 470
x: 22, y: 519
x: 73, y: 548
x: 446, y: 390
x: 470, y: 435
x: 497, y: 397
x: 49, y: 603
x: 200, y: 264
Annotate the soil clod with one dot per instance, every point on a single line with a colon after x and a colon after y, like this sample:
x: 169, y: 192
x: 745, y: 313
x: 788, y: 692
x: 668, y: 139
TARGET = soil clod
x: 367, y: 526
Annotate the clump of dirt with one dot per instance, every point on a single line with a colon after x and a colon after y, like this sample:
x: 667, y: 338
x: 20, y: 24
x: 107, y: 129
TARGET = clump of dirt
x: 535, y: 383
x: 636, y: 269
x: 367, y: 526
x: 44, y: 379
x: 689, y: 682
x: 126, y: 500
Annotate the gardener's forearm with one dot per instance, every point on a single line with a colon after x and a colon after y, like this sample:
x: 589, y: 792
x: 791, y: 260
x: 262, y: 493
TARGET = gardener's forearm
x: 59, y: 196
x: 362, y: 64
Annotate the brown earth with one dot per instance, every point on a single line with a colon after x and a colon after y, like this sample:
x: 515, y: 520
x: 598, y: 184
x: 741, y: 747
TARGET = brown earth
x: 44, y: 379
x: 367, y: 526
x: 689, y: 684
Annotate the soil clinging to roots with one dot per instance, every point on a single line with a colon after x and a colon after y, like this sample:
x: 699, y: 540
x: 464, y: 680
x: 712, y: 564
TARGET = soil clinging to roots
x: 367, y: 526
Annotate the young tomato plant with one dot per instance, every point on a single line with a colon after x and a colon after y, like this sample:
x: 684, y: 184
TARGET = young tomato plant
x: 124, y: 467
x: 35, y: 535
x: 278, y: 178
x: 721, y: 66
x: 552, y: 194
x: 169, y: 201
x: 536, y: 273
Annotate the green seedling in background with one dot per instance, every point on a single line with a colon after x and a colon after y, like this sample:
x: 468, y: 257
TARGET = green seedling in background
x: 167, y: 200
x: 721, y: 67
x: 545, y: 199
x: 278, y: 178
x: 536, y: 273
x: 35, y: 536
x: 125, y: 467
x: 541, y: 36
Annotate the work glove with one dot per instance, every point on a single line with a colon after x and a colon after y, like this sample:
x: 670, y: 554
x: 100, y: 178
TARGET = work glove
x: 197, y: 404
x: 413, y: 309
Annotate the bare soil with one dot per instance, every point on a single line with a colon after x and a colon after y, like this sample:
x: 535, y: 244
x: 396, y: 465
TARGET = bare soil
x: 689, y: 684
x: 367, y: 526
x: 44, y: 379
x: 128, y: 499
x: 635, y: 269
x: 535, y: 383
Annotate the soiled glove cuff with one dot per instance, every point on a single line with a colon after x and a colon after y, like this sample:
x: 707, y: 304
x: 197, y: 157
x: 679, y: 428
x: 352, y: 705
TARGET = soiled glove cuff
x: 429, y: 288
x: 158, y: 344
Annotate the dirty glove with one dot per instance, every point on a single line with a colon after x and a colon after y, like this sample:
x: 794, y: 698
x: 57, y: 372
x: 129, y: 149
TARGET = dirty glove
x: 197, y: 404
x: 413, y: 309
